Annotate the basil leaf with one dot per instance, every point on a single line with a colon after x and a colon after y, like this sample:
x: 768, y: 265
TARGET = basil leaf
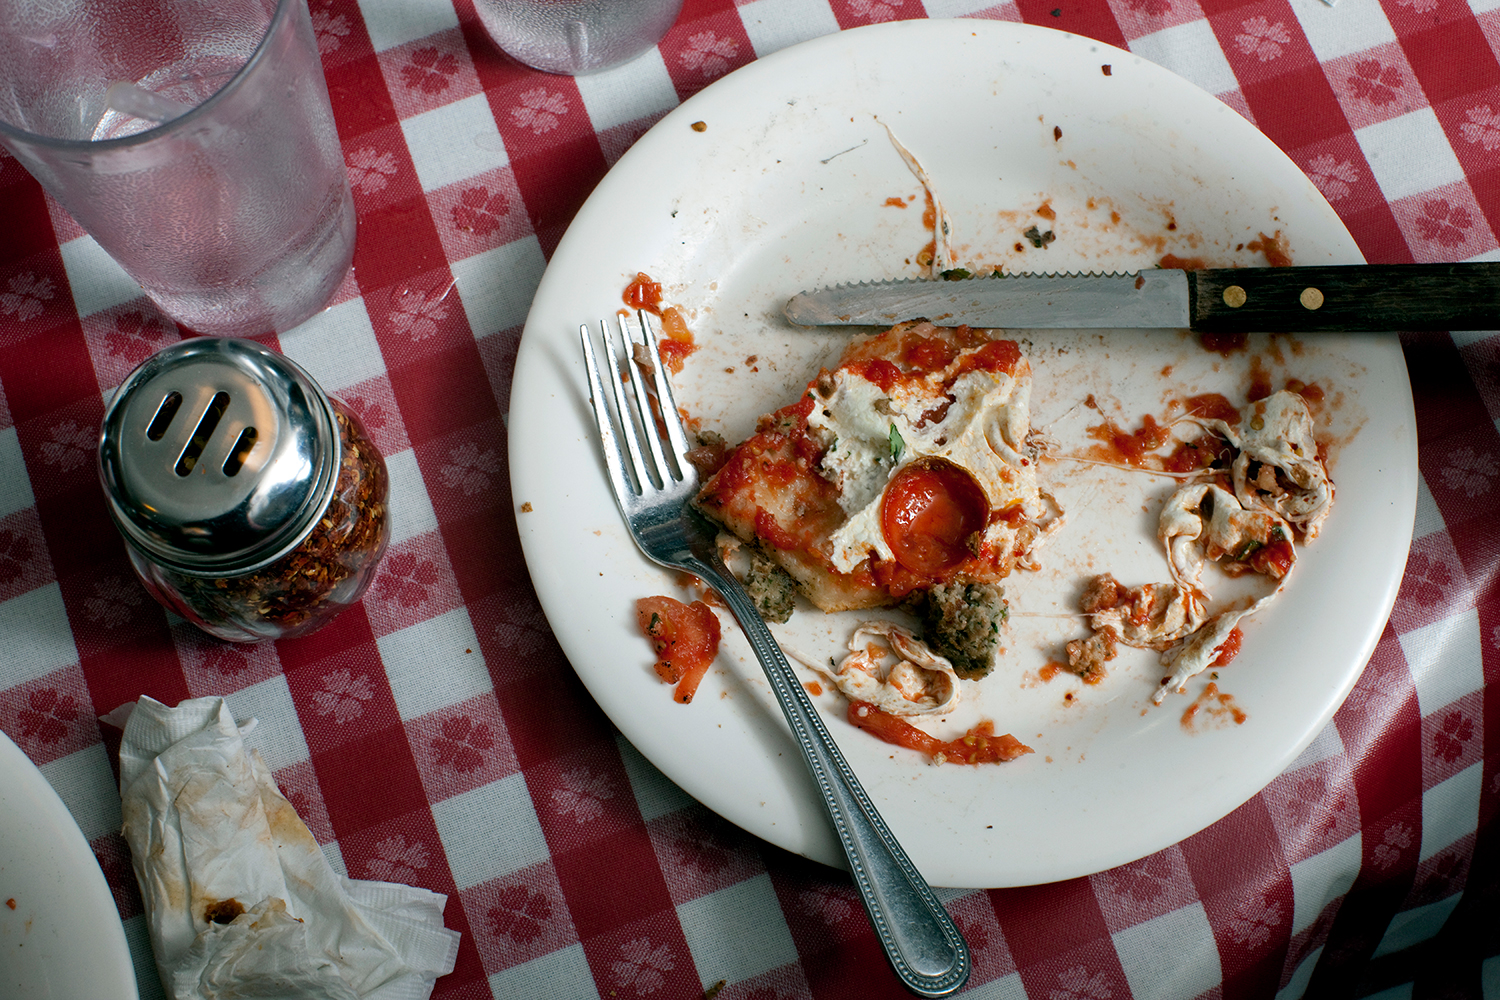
x: 897, y: 444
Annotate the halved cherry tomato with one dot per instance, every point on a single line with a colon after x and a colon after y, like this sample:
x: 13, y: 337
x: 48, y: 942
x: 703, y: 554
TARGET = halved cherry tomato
x: 930, y: 509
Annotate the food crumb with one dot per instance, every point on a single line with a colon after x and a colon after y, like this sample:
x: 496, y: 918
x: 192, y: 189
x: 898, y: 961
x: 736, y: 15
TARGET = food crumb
x: 11, y: 903
x: 1056, y: 132
x: 1107, y: 69
x: 526, y: 507
x: 713, y: 990
x: 700, y: 126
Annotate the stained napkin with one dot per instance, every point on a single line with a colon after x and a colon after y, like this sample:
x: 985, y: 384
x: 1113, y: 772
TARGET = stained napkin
x: 240, y: 899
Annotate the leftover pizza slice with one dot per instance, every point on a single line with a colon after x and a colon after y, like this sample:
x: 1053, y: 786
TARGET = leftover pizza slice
x: 904, y: 475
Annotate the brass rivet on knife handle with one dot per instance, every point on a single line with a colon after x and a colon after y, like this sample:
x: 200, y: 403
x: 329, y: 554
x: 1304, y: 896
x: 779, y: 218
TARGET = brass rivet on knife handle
x: 1311, y: 298
x: 1234, y: 296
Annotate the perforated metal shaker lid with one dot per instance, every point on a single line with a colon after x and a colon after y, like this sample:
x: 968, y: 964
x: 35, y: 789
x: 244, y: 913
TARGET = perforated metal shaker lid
x: 218, y: 456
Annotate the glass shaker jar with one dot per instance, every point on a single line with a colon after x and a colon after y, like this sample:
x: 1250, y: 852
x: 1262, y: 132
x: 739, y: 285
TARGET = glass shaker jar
x: 251, y: 503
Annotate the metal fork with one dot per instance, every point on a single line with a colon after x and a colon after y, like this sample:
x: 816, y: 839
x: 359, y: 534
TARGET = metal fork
x: 654, y: 485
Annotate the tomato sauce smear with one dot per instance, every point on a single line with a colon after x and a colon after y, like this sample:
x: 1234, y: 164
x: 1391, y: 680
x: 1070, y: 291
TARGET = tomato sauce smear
x: 979, y: 745
x: 685, y: 638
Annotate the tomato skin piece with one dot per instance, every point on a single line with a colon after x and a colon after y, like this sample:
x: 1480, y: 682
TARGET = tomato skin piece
x: 685, y: 638
x: 929, y: 510
x: 979, y: 745
x: 643, y: 293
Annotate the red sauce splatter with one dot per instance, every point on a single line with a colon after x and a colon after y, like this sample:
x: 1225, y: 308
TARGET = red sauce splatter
x: 1207, y: 451
x: 995, y: 356
x: 676, y: 342
x: 927, y: 354
x: 1274, y: 247
x: 768, y: 528
x: 979, y: 745
x: 1274, y: 559
x: 877, y: 370
x: 1046, y: 211
x: 1214, y: 705
x: 895, y: 203
x: 685, y: 638
x: 1129, y: 447
x: 1260, y: 381
x: 1313, y: 392
x: 11, y: 903
x: 1051, y: 670
x: 643, y: 293
x: 673, y: 353
x: 813, y: 688
x: 1223, y: 343
x: 1212, y: 406
x: 1230, y: 648
x: 1172, y: 261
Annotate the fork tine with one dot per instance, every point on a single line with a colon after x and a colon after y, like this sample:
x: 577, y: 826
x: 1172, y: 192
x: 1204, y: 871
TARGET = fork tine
x: 628, y: 416
x: 665, y: 471
x: 616, y: 463
x: 671, y: 416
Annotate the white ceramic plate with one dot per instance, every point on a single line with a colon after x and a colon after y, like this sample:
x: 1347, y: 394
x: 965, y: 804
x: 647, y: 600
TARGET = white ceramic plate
x: 788, y: 186
x: 62, y: 939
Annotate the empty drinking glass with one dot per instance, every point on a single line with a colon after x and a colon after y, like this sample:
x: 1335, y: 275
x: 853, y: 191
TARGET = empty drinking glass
x: 194, y: 140
x: 576, y: 36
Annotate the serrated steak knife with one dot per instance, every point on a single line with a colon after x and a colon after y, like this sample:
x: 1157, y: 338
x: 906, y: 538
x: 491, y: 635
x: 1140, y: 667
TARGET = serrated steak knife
x: 1333, y: 298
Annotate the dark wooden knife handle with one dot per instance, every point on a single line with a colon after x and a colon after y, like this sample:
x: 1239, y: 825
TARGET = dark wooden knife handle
x: 1346, y: 298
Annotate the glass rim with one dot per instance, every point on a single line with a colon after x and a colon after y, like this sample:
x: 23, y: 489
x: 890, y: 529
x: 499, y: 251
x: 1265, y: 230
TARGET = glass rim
x: 166, y: 128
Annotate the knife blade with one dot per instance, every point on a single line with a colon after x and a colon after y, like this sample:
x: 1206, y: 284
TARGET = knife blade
x: 1320, y: 298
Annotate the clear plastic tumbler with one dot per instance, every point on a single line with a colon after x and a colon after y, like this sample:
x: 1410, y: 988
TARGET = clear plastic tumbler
x: 576, y: 36
x: 194, y: 140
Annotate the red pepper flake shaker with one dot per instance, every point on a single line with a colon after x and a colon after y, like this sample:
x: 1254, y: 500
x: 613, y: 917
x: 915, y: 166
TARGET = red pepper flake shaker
x: 251, y: 503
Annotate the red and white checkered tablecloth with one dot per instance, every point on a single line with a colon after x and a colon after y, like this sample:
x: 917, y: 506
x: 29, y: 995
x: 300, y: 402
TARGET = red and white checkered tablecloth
x: 572, y: 867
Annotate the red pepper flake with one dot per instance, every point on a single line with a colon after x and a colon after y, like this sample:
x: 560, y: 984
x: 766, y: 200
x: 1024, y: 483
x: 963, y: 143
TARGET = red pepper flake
x: 295, y: 594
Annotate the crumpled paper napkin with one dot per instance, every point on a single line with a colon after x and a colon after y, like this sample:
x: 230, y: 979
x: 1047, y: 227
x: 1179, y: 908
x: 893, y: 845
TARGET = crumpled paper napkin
x: 240, y: 899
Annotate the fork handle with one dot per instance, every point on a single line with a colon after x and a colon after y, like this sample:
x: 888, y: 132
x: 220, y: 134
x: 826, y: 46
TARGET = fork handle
x: 924, y: 946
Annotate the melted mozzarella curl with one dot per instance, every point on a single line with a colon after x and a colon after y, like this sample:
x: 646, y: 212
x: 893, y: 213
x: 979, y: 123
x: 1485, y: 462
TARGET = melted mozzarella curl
x: 918, y: 682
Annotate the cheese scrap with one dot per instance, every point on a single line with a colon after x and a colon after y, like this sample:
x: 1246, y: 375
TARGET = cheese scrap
x: 918, y: 682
